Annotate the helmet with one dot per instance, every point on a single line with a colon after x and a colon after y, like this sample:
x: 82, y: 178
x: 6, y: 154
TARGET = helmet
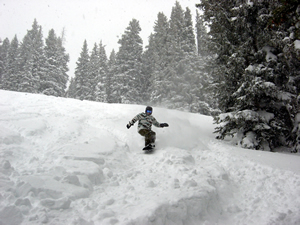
x: 148, y: 110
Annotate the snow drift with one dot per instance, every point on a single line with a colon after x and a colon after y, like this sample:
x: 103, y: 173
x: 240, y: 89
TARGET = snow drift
x: 65, y: 161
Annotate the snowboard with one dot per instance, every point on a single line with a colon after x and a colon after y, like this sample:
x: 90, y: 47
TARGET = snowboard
x: 149, y: 148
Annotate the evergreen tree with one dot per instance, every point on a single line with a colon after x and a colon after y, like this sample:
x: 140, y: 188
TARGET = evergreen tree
x: 149, y: 60
x: 71, y: 92
x: 10, y: 78
x: 33, y: 67
x: 160, y: 42
x: 178, y: 75
x: 103, y: 86
x: 110, y: 79
x: 54, y: 80
x: 129, y: 65
x: 63, y: 65
x: 208, y: 103
x: 176, y: 72
x: 177, y: 39
x: 32, y: 60
x: 82, y: 88
x: 284, y: 25
x: 4, y: 51
x: 157, y: 55
x: 253, y: 74
x: 202, y: 36
x: 189, y: 45
x: 94, y: 73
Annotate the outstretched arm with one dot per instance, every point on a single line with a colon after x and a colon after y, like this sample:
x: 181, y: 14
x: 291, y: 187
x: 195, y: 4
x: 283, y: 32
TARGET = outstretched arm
x: 157, y: 124
x: 131, y: 122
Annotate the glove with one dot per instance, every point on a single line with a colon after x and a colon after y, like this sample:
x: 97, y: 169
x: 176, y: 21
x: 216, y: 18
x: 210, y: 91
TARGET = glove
x: 129, y: 125
x: 164, y: 125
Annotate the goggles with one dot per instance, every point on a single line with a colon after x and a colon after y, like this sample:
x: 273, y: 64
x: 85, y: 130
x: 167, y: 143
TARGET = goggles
x: 148, y: 111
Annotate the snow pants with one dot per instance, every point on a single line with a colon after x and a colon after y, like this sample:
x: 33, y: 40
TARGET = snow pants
x: 149, y: 135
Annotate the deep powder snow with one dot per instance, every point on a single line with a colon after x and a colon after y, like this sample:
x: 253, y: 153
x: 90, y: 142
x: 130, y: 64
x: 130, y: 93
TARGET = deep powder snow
x: 64, y: 161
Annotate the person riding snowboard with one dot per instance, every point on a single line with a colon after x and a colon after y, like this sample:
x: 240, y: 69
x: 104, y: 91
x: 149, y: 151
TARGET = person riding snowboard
x: 144, y: 126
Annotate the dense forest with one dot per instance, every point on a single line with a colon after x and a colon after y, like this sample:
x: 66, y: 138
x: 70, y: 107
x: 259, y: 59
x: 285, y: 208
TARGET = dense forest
x: 239, y: 63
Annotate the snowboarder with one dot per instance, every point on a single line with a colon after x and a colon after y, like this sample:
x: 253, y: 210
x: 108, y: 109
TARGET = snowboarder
x: 144, y: 126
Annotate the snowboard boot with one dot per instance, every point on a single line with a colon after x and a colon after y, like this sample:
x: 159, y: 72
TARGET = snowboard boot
x: 149, y: 147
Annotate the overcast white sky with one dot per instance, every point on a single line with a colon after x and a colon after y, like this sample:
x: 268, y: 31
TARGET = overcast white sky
x: 93, y: 20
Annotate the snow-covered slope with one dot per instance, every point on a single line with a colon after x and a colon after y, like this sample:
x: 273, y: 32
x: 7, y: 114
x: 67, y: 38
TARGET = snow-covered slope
x: 64, y: 161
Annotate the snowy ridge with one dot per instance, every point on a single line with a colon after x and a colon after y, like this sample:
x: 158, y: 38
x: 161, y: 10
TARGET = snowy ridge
x: 64, y: 161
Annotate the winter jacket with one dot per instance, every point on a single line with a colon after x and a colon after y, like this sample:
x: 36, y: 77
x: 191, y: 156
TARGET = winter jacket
x: 145, y: 121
